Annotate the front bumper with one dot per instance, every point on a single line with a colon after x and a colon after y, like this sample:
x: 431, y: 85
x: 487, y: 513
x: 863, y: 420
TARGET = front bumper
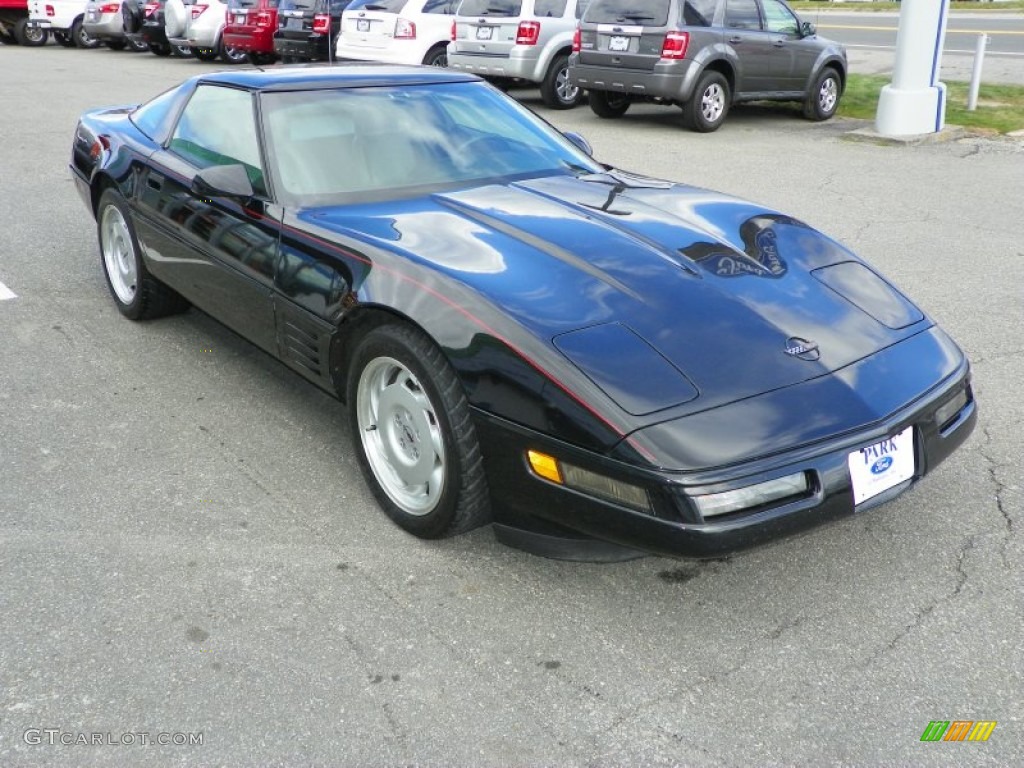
x: 523, y: 501
x: 675, y: 85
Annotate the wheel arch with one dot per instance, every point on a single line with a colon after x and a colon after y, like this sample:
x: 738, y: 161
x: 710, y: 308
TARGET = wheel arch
x: 724, y: 68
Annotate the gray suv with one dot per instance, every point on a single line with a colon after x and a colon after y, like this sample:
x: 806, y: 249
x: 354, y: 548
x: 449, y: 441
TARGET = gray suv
x: 704, y: 55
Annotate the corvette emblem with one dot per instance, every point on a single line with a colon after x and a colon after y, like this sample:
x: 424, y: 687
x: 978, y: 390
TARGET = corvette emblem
x: 802, y: 349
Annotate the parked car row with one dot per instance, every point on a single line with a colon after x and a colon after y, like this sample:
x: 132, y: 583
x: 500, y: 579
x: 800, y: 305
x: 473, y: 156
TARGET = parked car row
x: 702, y: 56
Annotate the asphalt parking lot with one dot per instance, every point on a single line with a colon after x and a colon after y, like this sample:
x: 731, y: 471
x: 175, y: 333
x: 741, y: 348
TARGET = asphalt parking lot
x: 187, y: 547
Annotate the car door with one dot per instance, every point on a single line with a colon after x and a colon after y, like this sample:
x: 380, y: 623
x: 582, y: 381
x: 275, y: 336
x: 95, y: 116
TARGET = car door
x: 744, y: 32
x: 220, y: 253
x: 793, y: 58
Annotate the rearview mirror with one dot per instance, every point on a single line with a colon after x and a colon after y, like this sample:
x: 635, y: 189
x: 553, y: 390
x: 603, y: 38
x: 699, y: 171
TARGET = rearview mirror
x: 807, y: 29
x: 223, y: 181
x: 580, y: 142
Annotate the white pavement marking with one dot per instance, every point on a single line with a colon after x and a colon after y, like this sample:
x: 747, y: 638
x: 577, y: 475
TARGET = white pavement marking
x: 6, y: 293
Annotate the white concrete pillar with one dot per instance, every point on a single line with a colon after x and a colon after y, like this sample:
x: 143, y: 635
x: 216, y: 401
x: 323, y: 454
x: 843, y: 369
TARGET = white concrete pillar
x: 915, y: 101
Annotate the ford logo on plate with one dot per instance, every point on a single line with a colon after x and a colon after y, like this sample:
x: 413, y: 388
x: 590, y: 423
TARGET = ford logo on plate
x: 881, y: 465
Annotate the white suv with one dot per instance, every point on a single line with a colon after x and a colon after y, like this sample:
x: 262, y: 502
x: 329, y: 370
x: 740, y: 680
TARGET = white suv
x: 199, y: 24
x: 397, y: 31
x: 527, y: 40
x: 64, y: 18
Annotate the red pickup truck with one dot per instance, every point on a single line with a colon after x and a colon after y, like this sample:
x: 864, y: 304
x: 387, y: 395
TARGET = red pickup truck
x: 14, y: 25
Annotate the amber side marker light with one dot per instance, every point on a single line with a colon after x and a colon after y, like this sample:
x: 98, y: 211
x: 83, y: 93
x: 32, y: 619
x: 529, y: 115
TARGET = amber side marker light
x: 590, y: 483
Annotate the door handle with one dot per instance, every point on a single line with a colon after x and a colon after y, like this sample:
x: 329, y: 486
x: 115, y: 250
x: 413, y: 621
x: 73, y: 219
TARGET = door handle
x: 154, y: 182
x: 778, y: 43
x: 735, y: 40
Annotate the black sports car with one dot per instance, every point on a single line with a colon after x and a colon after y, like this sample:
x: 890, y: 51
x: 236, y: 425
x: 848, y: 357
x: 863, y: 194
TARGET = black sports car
x: 594, y: 361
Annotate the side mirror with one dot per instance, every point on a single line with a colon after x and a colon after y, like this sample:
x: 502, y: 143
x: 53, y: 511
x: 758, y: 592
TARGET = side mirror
x: 807, y: 29
x: 580, y: 142
x: 223, y: 181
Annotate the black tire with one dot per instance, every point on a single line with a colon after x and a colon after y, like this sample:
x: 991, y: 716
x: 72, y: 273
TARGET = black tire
x: 231, y: 55
x: 82, y: 38
x: 556, y: 91
x: 823, y: 99
x: 181, y: 51
x: 6, y: 39
x: 415, y: 390
x: 63, y: 40
x: 437, y: 56
x: 706, y: 111
x: 116, y: 45
x: 137, y: 294
x: 160, y: 49
x: 137, y: 44
x: 30, y: 37
x: 608, y: 104
x: 205, y: 54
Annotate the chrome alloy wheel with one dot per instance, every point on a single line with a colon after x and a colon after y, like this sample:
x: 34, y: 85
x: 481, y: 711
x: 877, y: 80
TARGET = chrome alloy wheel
x: 567, y: 92
x: 401, y: 435
x: 119, y: 255
x: 712, y: 103
x: 828, y: 95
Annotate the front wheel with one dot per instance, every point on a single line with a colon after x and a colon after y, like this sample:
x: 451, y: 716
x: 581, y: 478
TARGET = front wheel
x: 608, y: 104
x: 182, y: 51
x: 413, y: 434
x: 30, y: 36
x: 137, y: 294
x: 137, y: 44
x: 706, y: 111
x: 64, y: 40
x: 823, y: 100
x: 82, y: 38
x: 437, y: 56
x: 557, y: 90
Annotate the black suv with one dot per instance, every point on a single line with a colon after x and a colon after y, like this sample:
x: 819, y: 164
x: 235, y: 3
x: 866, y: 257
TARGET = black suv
x: 308, y: 29
x: 704, y: 56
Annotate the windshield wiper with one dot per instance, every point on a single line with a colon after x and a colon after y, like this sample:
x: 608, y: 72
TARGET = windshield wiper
x: 626, y: 180
x: 634, y: 17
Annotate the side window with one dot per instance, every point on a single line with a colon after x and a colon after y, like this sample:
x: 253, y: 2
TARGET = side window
x: 699, y: 13
x: 778, y: 18
x: 581, y: 8
x: 218, y: 127
x: 742, y: 14
x: 551, y: 9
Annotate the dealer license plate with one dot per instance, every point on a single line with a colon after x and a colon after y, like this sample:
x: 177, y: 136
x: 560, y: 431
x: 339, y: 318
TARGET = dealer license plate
x: 618, y: 43
x: 239, y: 18
x: 92, y: 15
x: 294, y: 22
x: 362, y: 25
x: 879, y: 467
x: 484, y: 33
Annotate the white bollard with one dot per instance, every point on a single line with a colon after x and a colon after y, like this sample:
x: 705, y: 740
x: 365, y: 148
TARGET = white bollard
x: 979, y: 62
x: 915, y: 102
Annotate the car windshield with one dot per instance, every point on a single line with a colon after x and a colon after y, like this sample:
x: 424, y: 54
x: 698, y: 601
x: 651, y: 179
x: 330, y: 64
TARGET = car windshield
x: 352, y: 144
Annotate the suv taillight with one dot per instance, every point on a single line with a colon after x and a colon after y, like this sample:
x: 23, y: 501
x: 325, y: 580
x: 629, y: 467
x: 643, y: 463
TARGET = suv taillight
x: 150, y: 8
x: 528, y: 33
x: 263, y: 19
x: 197, y: 10
x: 110, y: 8
x: 50, y: 11
x: 322, y: 23
x: 405, y: 30
x: 675, y: 45
x: 453, y: 31
x: 577, y: 40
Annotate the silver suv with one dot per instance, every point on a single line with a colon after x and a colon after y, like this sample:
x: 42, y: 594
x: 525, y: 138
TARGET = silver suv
x: 704, y: 55
x: 527, y: 40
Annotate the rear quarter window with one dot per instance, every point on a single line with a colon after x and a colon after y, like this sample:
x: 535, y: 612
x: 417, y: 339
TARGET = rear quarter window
x: 644, y: 13
x: 699, y: 13
x: 490, y: 8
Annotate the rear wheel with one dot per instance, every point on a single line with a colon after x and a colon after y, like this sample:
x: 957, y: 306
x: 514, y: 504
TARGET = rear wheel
x: 823, y: 100
x: 608, y: 104
x: 706, y: 111
x: 116, y: 45
x: 231, y: 55
x: 137, y: 44
x: 557, y: 90
x: 437, y: 56
x: 82, y: 38
x: 413, y: 434
x: 137, y: 294
x: 205, y: 54
x: 160, y: 49
x: 182, y: 51
x: 30, y: 36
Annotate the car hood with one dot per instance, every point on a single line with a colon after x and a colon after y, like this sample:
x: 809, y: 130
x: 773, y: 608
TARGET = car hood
x: 672, y: 299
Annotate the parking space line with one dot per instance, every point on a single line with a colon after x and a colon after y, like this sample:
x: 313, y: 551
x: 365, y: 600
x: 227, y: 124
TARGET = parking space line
x: 6, y: 293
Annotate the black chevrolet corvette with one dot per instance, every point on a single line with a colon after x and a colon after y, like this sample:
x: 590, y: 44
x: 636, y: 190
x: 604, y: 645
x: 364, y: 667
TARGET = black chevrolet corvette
x: 594, y: 361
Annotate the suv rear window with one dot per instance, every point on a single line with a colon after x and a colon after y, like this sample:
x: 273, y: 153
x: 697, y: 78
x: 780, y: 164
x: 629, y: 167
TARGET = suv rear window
x: 642, y: 13
x: 298, y: 5
x: 490, y: 8
x: 553, y: 9
x: 388, y: 6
